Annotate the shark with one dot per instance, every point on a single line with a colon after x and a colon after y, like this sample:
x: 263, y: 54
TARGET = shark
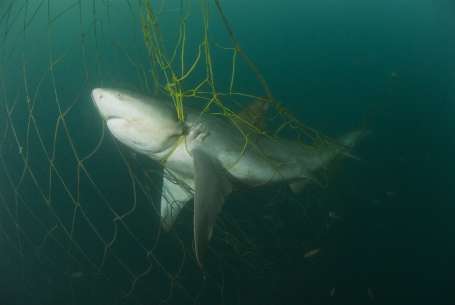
x: 206, y: 157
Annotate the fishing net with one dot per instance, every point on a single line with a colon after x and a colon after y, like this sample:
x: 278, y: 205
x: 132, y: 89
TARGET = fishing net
x: 79, y: 214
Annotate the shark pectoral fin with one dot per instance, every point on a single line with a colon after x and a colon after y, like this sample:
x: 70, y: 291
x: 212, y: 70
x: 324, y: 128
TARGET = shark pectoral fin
x: 175, y: 194
x: 212, y: 186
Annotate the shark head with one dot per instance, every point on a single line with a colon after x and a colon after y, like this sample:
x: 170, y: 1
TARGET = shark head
x: 144, y: 124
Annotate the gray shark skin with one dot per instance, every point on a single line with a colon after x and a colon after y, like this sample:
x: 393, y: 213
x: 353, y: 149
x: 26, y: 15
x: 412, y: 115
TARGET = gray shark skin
x: 204, y: 156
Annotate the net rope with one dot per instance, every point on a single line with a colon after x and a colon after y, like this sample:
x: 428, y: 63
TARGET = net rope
x: 58, y: 210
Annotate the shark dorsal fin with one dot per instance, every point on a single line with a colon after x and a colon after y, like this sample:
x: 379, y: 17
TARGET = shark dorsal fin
x: 255, y: 113
x: 212, y: 185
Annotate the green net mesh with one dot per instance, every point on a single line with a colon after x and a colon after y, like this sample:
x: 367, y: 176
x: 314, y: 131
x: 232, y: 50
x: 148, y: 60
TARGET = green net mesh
x: 75, y: 229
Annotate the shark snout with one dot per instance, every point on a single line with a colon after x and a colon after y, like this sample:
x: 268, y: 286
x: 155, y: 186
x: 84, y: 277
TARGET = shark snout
x: 97, y: 94
x: 97, y: 98
x: 108, y: 104
x: 100, y: 98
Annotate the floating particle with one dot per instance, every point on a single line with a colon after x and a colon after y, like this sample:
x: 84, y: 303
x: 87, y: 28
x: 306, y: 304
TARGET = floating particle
x: 334, y: 215
x: 77, y: 274
x: 370, y: 293
x: 311, y: 253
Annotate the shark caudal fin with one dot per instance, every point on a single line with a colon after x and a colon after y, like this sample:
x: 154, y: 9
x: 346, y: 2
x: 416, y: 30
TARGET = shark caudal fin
x: 352, y: 138
x: 323, y: 157
x: 349, y: 140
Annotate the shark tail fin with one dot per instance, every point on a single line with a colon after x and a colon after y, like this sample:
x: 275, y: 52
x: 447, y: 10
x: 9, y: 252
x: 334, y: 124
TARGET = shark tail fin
x: 349, y: 140
x: 325, y: 157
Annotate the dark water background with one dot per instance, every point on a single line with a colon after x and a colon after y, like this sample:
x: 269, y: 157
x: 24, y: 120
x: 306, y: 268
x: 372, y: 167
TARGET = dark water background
x: 337, y: 65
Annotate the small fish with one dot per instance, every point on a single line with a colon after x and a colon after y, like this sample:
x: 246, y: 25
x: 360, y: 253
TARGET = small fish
x: 333, y: 215
x: 332, y: 292
x: 311, y: 253
x: 376, y: 202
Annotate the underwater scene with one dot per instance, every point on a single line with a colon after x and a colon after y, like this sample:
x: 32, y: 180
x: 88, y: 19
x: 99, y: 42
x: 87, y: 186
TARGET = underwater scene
x: 227, y: 152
